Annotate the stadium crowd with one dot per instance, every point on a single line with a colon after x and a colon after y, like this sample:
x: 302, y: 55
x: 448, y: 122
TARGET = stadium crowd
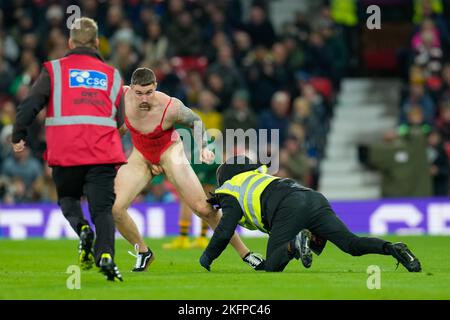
x: 414, y: 157
x: 236, y: 71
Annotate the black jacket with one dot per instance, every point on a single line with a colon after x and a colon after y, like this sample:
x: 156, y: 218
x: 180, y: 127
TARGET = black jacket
x: 272, y: 196
x: 40, y: 94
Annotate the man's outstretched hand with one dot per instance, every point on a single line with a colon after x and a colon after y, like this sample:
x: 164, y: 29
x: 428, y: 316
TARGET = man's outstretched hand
x: 207, y: 156
x: 255, y: 260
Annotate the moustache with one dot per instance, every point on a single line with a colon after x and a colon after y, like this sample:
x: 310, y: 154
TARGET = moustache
x: 144, y: 106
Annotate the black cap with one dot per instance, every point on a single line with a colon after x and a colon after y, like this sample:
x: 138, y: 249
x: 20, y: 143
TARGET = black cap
x: 234, y: 166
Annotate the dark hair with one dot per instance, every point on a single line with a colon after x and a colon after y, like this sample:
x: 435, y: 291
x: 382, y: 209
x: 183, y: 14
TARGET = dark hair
x: 143, y: 77
x: 234, y: 166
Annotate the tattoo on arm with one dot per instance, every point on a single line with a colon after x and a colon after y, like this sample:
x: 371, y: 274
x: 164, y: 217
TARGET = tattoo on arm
x: 188, y: 118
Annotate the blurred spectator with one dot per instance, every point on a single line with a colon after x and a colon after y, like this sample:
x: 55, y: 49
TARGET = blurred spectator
x: 432, y: 10
x: 277, y: 117
x: 318, y: 59
x: 335, y: 45
x: 239, y: 116
x: 217, y: 22
x: 114, y: 19
x: 295, y: 160
x: 259, y: 72
x: 316, y: 101
x: 156, y: 45
x: 16, y: 191
x: 403, y: 164
x: 415, y: 119
x: 194, y: 86
x: 243, y: 46
x: 214, y: 82
x: 439, y: 165
x: 202, y: 52
x: 184, y: 36
x: 174, y: 9
x: 443, y: 122
x: 169, y: 82
x: 283, y: 172
x: 444, y: 92
x: 428, y: 35
x: 219, y: 40
x: 22, y: 83
x: 259, y: 27
x: 7, y: 113
x: 226, y: 69
x: 295, y: 53
x: 124, y: 56
x: 56, y: 45
x: 22, y: 165
x: 207, y: 110
x: 427, y: 49
x: 315, y: 131
x: 44, y: 189
x: 7, y: 73
x: 418, y: 97
x: 54, y: 17
x: 5, y: 142
x: 281, y: 74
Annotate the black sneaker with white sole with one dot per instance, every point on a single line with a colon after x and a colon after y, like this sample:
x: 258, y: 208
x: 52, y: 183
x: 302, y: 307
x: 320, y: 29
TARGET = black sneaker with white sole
x: 401, y: 252
x: 143, y: 259
x: 109, y: 268
x: 302, y: 248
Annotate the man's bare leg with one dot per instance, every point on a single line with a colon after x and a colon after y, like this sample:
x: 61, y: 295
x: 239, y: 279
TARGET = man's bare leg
x: 131, y: 179
x: 179, y: 172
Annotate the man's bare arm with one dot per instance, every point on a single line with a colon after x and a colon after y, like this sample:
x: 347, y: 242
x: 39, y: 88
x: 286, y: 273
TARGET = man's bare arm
x: 188, y: 118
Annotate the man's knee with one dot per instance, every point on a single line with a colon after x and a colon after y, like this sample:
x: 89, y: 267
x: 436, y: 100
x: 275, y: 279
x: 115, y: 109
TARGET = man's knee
x: 119, y: 210
x: 204, y: 210
x: 70, y: 206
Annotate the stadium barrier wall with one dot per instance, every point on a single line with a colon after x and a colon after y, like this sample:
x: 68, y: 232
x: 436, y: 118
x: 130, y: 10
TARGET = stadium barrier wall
x: 377, y: 217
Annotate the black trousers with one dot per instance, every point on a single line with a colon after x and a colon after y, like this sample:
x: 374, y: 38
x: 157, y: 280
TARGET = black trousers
x: 97, y: 183
x: 311, y: 210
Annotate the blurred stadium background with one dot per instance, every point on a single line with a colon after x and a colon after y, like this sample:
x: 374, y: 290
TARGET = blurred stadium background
x: 352, y: 104
x: 363, y: 114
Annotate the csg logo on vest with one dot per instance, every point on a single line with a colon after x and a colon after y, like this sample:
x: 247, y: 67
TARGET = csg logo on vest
x: 90, y: 79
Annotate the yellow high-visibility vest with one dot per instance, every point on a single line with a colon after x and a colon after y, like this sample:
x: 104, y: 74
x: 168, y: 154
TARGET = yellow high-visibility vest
x: 247, y: 187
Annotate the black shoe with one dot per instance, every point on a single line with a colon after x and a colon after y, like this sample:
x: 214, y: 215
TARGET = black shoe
x: 404, y: 256
x: 143, y: 259
x: 86, y: 257
x: 109, y: 268
x: 302, y: 247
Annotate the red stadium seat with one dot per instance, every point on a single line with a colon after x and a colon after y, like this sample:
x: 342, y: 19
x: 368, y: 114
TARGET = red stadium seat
x: 183, y: 65
x: 323, y: 86
x: 380, y: 59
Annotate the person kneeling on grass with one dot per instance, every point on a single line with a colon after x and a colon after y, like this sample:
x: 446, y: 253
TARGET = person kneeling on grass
x: 299, y: 220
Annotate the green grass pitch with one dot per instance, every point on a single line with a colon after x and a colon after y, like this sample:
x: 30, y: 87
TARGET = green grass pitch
x: 36, y: 269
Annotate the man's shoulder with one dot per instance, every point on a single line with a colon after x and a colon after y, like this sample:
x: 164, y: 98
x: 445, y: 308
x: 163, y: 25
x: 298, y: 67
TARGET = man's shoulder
x: 162, y: 96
